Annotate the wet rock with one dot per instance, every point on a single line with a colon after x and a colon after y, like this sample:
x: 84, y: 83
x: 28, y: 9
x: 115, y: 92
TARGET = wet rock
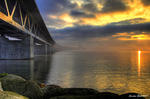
x: 11, y: 77
x: 13, y: 83
x: 51, y: 90
x: 33, y: 91
x: 56, y: 91
x: 108, y: 95
x: 80, y: 91
x: 21, y: 86
x: 78, y: 97
x: 103, y: 95
x: 53, y: 86
x: 131, y: 96
x: 10, y: 95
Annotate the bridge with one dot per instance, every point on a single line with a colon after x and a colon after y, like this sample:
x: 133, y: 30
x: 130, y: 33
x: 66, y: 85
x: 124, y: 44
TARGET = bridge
x: 23, y: 33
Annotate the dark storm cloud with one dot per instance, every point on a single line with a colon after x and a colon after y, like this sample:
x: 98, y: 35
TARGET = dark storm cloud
x: 113, y: 6
x: 55, y: 6
x: 77, y: 14
x: 87, y: 10
x: 86, y: 32
x: 90, y: 7
x: 146, y: 2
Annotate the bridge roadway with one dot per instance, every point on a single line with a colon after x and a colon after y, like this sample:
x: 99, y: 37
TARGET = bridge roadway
x: 23, y: 33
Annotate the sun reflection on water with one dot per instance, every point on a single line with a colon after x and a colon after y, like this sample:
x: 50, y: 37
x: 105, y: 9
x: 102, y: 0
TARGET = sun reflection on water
x: 139, y: 63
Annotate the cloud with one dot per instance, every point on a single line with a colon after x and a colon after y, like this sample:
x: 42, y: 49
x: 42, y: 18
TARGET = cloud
x: 86, y: 32
x: 146, y: 2
x: 92, y: 12
x: 54, y: 6
x: 114, y: 6
x: 55, y: 23
x: 78, y: 14
x: 90, y: 7
x: 93, y: 18
x: 132, y: 36
x: 129, y: 22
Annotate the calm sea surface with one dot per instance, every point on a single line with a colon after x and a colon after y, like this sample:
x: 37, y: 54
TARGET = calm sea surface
x: 118, y: 72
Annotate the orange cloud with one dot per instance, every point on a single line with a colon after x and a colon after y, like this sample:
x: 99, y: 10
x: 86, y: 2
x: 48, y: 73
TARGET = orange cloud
x: 65, y: 17
x: 131, y: 36
x: 136, y: 10
x: 52, y: 16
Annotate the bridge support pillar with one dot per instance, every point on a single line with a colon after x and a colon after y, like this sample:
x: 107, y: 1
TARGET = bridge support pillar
x: 49, y: 49
x: 46, y: 49
x: 20, y: 49
x: 40, y: 49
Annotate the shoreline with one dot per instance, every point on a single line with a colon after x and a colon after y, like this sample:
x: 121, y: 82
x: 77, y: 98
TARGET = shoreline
x: 13, y: 85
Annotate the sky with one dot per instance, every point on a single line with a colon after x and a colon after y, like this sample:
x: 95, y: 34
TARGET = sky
x: 98, y: 24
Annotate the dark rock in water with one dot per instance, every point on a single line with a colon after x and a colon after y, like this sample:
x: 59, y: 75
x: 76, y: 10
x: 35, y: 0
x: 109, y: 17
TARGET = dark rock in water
x: 80, y: 91
x: 32, y: 90
x: 49, y: 89
x: 131, y: 96
x: 52, y: 92
x: 53, y: 86
x: 103, y: 95
x: 19, y: 85
x: 108, y: 95
x: 78, y: 97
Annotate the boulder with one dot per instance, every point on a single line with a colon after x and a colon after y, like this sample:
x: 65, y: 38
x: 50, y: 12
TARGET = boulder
x: 50, y: 90
x: 78, y: 97
x: 11, y: 76
x: 53, y: 86
x: 10, y: 95
x: 79, y: 91
x: 33, y: 91
x: 21, y: 86
x: 57, y: 91
x: 108, y: 95
x: 103, y: 95
x: 13, y: 83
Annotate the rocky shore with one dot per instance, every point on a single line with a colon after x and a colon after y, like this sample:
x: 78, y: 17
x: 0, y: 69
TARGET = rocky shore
x: 16, y: 87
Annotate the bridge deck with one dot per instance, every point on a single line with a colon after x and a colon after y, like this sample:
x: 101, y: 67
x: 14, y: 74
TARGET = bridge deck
x: 18, y: 17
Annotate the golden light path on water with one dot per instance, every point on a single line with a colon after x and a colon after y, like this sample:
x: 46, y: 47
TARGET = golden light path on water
x: 139, y: 63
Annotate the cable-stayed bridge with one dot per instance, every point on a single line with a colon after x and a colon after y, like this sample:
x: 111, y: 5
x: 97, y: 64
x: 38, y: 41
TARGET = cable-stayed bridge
x: 23, y: 33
